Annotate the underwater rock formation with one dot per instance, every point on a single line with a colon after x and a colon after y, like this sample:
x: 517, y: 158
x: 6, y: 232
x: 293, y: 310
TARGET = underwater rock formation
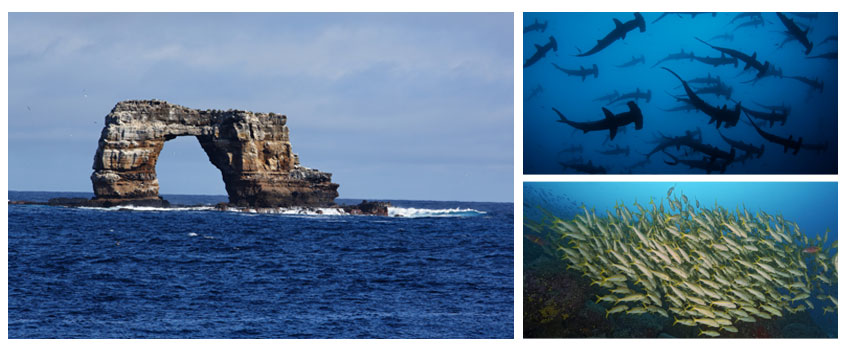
x: 252, y: 151
x: 714, y: 271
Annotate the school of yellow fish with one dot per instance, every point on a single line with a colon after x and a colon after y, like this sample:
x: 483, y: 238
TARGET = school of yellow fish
x: 703, y: 267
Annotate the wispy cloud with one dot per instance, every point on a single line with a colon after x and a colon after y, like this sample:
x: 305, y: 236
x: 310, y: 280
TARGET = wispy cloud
x: 401, y: 81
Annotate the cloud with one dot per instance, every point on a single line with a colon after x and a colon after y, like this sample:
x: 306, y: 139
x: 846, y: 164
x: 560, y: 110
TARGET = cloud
x: 432, y: 88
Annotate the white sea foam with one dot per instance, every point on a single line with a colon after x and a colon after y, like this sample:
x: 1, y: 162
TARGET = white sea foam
x: 291, y: 211
x: 431, y: 213
x: 135, y: 208
x: 314, y: 212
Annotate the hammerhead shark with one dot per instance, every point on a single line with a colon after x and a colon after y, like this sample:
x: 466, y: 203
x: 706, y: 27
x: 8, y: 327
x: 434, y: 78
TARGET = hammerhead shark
x: 796, y: 32
x: 750, y: 61
x: 828, y: 56
x: 786, y: 143
x: 771, y: 116
x: 715, y: 80
x: 718, y: 61
x: 665, y: 142
x: 806, y: 15
x: 619, y: 32
x: 611, y: 121
x: 828, y: 39
x: 814, y: 84
x: 634, y: 96
x: 632, y: 62
x: 692, y: 14
x: 703, y: 164
x: 730, y: 117
x: 534, y: 92
x: 686, y: 106
x: 751, y: 15
x: 580, y: 72
x: 541, y: 51
x: 746, y: 147
x: 615, y: 151
x: 716, y: 89
x: 782, y: 108
x: 535, y: 26
x: 571, y: 149
x: 712, y: 152
x: 609, y: 97
x: 587, y: 168
x: 681, y: 55
x: 755, y: 22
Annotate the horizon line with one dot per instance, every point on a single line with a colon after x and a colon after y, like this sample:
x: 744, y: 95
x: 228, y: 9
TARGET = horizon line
x: 369, y: 199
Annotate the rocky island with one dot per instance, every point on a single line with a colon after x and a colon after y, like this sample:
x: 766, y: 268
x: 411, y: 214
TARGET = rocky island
x: 252, y: 151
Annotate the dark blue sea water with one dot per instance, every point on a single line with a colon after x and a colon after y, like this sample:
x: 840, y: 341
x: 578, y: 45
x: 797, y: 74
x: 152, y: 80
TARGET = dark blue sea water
x: 444, y: 271
x: 812, y: 205
x: 813, y: 114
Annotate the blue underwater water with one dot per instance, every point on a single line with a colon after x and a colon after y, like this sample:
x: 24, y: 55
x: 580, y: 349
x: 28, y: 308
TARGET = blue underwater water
x: 444, y: 270
x: 812, y: 205
x: 813, y: 114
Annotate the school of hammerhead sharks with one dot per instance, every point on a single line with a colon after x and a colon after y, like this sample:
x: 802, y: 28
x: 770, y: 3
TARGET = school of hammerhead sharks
x: 703, y: 156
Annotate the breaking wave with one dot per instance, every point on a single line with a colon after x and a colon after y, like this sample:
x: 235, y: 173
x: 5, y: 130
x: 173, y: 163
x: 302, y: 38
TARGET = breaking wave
x: 135, y: 208
x: 392, y: 211
x: 431, y: 213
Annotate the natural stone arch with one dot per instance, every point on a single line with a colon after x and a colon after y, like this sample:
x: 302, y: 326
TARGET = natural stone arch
x: 252, y: 151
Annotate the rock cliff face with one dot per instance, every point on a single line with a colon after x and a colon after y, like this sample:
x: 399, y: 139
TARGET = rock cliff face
x: 251, y: 150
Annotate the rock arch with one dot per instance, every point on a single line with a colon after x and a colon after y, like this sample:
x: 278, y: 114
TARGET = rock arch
x: 252, y: 151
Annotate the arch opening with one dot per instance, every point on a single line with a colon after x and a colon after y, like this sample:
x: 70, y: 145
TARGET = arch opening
x: 184, y: 168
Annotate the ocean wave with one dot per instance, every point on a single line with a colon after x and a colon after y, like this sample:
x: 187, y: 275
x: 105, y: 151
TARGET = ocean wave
x: 315, y: 212
x: 432, y: 213
x: 135, y: 208
x: 292, y: 211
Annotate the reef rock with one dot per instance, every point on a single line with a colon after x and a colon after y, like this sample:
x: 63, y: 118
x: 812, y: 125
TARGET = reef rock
x: 252, y: 151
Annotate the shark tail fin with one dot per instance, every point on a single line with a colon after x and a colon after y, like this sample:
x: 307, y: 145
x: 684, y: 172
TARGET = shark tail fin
x: 595, y: 71
x: 554, y: 43
x: 675, y: 160
x: 648, y: 95
x: 561, y: 117
x: 798, y: 145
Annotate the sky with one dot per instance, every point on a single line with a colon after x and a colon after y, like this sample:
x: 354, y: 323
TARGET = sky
x: 396, y: 106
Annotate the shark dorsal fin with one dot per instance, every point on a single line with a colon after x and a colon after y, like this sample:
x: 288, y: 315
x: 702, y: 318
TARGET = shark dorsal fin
x: 617, y: 23
x: 538, y: 47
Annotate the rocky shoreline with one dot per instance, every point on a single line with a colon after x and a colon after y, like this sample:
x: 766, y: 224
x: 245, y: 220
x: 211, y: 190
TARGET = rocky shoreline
x: 370, y: 208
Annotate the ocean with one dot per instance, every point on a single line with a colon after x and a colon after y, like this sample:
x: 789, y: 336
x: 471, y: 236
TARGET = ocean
x: 438, y: 270
x: 811, y: 205
x: 551, y: 147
